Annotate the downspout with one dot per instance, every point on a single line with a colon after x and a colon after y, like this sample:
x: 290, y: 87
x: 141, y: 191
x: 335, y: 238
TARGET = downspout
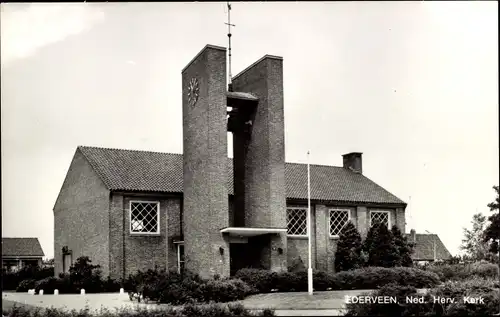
x: 123, y: 238
x: 181, y: 215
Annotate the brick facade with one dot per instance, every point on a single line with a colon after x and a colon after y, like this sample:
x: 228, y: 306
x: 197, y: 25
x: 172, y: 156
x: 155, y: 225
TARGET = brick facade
x: 205, y: 151
x: 81, y: 216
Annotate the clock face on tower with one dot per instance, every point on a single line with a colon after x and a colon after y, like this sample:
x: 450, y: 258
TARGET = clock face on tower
x: 193, y: 91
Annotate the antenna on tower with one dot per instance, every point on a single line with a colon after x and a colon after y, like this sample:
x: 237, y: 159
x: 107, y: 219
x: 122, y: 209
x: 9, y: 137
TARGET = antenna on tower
x: 229, y: 25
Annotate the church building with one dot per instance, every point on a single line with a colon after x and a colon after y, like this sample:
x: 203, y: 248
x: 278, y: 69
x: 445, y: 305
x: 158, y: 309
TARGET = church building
x: 133, y: 210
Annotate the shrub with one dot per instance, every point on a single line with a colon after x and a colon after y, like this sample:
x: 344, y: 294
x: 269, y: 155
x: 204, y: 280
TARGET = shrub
x: 172, y: 288
x: 11, y: 280
x: 453, y: 289
x: 381, y: 247
x: 405, y: 248
x: 376, y: 277
x: 400, y: 308
x: 26, y: 285
x: 85, y: 275
x: 297, y: 265
x: 223, y: 291
x: 110, y: 285
x: 262, y: 280
x: 348, y: 254
x: 364, y: 278
x: 462, y: 271
x: 211, y: 310
x: 485, y: 269
x: 48, y: 285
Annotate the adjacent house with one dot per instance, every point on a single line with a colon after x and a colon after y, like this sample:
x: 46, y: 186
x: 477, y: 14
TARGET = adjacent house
x: 428, y: 247
x: 20, y: 252
x: 124, y: 209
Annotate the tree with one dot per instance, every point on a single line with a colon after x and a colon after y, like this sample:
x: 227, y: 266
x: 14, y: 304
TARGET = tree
x: 492, y: 231
x: 474, y: 243
x: 405, y: 248
x: 348, y: 254
x: 381, y: 247
x: 48, y: 262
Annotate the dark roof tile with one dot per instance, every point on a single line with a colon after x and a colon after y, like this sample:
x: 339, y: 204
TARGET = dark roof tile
x: 21, y: 247
x: 424, y: 247
x: 131, y: 170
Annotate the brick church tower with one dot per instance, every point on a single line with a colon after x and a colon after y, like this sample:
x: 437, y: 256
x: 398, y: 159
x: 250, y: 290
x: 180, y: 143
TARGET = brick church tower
x: 219, y: 238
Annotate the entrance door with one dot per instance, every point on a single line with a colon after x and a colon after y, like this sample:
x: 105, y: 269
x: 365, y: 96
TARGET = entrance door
x: 237, y: 257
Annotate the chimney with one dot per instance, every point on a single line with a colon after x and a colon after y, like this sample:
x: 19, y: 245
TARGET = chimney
x: 413, y: 235
x: 353, y: 162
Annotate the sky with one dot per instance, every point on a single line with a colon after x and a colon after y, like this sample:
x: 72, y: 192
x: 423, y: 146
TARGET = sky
x: 412, y: 85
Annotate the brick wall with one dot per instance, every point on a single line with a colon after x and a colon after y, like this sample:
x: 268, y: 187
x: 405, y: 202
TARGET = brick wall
x: 205, y: 170
x: 81, y: 216
x: 265, y: 199
x: 141, y: 252
x: 324, y: 246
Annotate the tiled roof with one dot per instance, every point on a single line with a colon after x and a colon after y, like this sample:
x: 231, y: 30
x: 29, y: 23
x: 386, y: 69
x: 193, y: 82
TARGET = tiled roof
x: 131, y: 170
x: 424, y: 247
x: 21, y: 247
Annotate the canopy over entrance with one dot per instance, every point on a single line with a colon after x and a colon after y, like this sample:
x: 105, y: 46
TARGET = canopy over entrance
x: 251, y: 232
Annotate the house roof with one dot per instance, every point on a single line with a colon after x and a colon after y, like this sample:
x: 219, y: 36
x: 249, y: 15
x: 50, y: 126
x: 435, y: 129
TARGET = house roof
x: 424, y: 247
x: 21, y: 247
x: 131, y: 170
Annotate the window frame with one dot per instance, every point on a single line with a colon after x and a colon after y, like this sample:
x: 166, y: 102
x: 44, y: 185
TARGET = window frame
x: 330, y: 219
x: 307, y: 224
x: 157, y: 202
x: 388, y: 212
x: 179, y: 245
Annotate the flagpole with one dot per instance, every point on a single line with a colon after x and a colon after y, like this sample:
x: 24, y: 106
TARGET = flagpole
x: 309, y: 229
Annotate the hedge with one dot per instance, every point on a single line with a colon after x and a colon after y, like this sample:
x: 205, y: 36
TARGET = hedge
x: 364, y: 278
x: 170, y: 287
x: 11, y: 280
x: 456, y: 290
x: 211, y: 310
x: 453, y: 272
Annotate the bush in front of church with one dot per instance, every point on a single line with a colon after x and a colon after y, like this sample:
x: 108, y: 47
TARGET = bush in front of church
x: 173, y: 288
x: 404, y: 247
x: 297, y: 265
x: 376, y: 277
x: 26, y: 285
x: 453, y: 290
x: 364, y: 278
x: 11, y: 280
x: 190, y: 310
x: 381, y: 247
x: 82, y: 275
x: 348, y: 253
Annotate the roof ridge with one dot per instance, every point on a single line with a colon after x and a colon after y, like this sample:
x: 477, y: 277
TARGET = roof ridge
x: 319, y: 165
x: 128, y: 150
x: 181, y: 154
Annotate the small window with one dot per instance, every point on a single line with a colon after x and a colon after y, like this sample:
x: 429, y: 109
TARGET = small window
x: 145, y: 217
x: 338, y: 219
x: 380, y: 216
x: 296, y: 221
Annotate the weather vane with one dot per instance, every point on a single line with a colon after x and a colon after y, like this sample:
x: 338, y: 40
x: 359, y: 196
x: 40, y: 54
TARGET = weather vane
x: 229, y: 25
